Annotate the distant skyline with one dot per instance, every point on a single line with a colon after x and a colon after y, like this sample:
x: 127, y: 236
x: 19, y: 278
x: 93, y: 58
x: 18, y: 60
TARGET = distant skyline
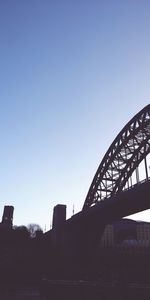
x: 72, y: 74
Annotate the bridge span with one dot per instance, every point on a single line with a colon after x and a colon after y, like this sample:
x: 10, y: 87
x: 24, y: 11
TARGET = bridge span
x: 116, y: 191
x: 80, y: 235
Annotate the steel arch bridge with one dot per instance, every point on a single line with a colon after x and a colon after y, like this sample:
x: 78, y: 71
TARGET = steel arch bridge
x: 128, y: 150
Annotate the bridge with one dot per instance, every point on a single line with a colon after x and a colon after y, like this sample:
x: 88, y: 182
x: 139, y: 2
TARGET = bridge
x: 117, y: 191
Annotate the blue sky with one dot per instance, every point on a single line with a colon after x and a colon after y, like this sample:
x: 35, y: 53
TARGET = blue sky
x: 72, y: 74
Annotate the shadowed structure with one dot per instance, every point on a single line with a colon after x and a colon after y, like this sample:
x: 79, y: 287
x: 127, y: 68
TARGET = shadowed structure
x: 112, y: 194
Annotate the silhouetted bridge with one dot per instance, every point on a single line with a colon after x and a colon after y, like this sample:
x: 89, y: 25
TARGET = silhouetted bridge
x: 116, y: 190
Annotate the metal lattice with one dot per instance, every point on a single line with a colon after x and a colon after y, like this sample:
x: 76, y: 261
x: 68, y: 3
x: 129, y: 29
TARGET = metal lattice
x: 129, y: 148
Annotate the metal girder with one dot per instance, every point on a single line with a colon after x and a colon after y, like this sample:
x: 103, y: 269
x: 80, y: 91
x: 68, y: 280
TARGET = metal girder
x: 129, y: 148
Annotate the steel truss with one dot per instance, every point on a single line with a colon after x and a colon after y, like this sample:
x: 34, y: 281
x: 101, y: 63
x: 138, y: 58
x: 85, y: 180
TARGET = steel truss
x: 123, y: 157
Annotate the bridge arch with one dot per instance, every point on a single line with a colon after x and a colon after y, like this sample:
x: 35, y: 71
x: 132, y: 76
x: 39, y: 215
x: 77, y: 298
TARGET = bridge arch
x: 128, y: 150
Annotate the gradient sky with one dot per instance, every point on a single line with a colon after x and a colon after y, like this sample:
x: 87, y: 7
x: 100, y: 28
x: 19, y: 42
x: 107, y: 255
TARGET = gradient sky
x: 72, y: 74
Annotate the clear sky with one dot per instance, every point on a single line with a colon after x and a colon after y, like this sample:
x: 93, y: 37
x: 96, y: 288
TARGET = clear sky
x: 72, y: 74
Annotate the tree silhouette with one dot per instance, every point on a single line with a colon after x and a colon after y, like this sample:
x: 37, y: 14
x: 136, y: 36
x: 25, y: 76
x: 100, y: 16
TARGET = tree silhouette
x: 21, y: 232
x: 34, y: 230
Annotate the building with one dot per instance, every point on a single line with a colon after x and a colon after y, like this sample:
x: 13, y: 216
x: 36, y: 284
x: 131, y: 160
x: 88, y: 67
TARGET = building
x: 143, y: 233
x: 107, y: 239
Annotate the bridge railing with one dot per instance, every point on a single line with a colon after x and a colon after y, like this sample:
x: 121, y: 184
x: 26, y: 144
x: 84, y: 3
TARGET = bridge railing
x: 128, y: 188
x: 136, y: 184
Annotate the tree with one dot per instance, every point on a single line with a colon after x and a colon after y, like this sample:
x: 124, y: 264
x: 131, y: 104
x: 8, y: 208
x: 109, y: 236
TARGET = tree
x: 21, y: 232
x: 34, y: 230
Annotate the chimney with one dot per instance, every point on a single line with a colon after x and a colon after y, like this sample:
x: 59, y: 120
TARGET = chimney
x: 7, y: 219
x: 59, y: 215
